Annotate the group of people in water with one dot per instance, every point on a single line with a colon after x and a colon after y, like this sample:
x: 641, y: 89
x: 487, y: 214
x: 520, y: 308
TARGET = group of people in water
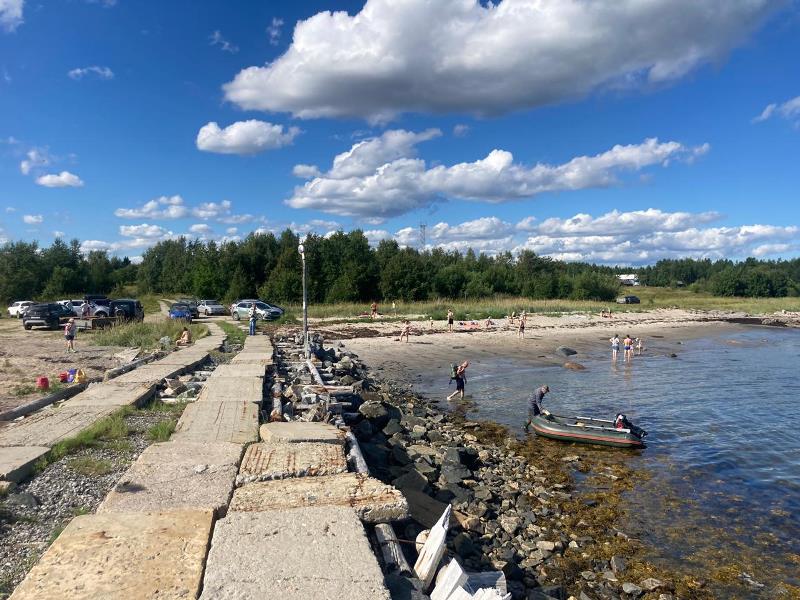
x: 629, y: 345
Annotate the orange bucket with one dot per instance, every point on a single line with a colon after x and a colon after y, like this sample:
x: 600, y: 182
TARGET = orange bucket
x: 42, y: 383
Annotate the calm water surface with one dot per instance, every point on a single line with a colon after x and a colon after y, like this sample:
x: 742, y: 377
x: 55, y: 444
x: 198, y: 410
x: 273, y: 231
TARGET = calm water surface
x: 723, y: 451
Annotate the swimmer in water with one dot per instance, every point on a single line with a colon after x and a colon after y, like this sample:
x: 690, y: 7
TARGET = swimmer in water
x: 628, y: 345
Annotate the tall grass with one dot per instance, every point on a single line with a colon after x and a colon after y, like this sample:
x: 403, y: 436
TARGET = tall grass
x: 498, y: 307
x: 234, y: 333
x: 146, y: 335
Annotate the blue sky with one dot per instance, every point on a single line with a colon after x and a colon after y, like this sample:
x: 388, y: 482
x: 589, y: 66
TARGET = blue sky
x: 607, y: 131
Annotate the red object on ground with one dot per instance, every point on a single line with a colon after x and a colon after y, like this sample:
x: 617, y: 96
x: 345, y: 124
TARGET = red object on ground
x: 63, y: 377
x: 42, y: 383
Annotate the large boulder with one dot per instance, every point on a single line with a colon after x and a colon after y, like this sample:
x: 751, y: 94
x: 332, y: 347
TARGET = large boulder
x: 566, y: 351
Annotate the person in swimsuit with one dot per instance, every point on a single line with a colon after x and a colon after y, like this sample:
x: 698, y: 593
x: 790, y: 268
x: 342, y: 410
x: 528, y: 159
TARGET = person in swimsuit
x: 628, y: 346
x: 614, y: 346
x: 449, y: 320
x: 373, y: 310
x: 521, y: 327
x: 461, y: 380
x: 406, y: 330
x: 639, y: 345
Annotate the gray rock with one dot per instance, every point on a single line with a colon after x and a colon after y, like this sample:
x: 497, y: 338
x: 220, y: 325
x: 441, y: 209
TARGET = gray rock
x: 376, y: 412
x: 546, y: 546
x: 463, y: 545
x: 588, y: 575
x: 631, y: 589
x: 22, y: 499
x: 650, y: 584
x: 566, y: 351
x: 510, y: 524
x: 454, y: 474
x: 392, y: 427
x: 618, y: 564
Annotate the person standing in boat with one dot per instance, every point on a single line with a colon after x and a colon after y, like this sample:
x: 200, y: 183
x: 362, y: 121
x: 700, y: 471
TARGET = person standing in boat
x: 614, y: 346
x: 535, y: 405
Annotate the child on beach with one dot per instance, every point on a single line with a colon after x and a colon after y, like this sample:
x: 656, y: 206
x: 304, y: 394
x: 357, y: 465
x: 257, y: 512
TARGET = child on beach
x: 614, y: 346
x: 461, y: 380
x: 69, y: 335
x: 406, y: 330
x: 449, y: 320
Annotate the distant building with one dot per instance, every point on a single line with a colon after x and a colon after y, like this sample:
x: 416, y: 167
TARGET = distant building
x: 628, y: 279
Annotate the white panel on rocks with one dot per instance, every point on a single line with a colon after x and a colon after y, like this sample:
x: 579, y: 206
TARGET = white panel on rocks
x: 269, y: 460
x: 293, y: 554
x: 298, y: 431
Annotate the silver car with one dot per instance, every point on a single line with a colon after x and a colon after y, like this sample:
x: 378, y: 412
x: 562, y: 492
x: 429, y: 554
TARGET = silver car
x: 211, y: 307
x: 241, y: 310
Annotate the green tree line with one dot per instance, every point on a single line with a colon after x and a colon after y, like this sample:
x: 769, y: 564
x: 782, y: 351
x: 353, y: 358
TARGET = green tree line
x: 28, y: 272
x: 751, y: 277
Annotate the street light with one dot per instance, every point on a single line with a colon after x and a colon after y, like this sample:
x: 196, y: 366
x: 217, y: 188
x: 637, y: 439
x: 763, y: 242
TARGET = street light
x: 302, y: 251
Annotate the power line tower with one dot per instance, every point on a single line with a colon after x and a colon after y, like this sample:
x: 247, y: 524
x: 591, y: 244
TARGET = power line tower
x: 422, y: 228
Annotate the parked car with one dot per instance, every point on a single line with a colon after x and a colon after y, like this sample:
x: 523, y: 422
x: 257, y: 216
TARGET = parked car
x: 264, y: 311
x: 180, y: 310
x: 211, y: 307
x: 628, y: 300
x: 76, y: 306
x: 275, y: 307
x: 192, y: 304
x: 19, y: 307
x: 46, y: 315
x: 127, y: 309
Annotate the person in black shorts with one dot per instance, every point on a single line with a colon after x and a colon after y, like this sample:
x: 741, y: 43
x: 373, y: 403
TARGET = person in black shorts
x: 461, y: 380
x: 449, y: 320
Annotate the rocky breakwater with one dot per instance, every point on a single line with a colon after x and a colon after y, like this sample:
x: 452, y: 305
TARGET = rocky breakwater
x: 514, y: 506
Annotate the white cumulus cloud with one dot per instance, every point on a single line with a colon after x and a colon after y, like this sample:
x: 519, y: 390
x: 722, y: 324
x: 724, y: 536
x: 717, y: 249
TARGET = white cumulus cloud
x: 63, y: 179
x: 32, y: 219
x: 244, y: 137
x: 163, y: 207
x: 381, y: 177
x: 488, y: 58
x: 11, y: 14
x: 144, y: 230
x: 99, y: 72
x: 35, y: 158
x: 201, y: 229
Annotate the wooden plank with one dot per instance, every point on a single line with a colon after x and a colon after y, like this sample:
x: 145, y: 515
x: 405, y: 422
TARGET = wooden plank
x: 433, y: 550
x: 453, y: 577
x: 390, y: 549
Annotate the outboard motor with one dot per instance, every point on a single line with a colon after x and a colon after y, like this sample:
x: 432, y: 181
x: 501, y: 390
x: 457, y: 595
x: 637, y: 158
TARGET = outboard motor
x: 622, y: 422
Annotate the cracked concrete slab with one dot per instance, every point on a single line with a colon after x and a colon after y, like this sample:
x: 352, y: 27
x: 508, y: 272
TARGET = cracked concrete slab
x: 373, y: 500
x: 292, y: 555
x: 112, y: 393
x: 140, y: 556
x: 16, y: 462
x: 298, y: 431
x: 218, y: 421
x: 237, y: 371
x: 49, y: 426
x: 269, y: 460
x: 250, y: 389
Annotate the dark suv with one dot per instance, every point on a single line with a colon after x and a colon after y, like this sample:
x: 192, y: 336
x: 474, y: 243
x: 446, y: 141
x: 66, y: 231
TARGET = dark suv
x: 46, y: 315
x: 127, y: 309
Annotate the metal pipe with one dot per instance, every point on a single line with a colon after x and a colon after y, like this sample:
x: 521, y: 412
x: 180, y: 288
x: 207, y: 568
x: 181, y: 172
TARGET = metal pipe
x: 306, y: 347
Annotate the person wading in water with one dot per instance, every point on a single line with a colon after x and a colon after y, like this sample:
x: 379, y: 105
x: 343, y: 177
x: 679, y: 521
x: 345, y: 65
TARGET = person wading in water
x: 535, y: 405
x: 460, y: 378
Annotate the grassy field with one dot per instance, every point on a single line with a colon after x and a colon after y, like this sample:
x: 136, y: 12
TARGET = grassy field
x: 145, y: 335
x: 651, y: 297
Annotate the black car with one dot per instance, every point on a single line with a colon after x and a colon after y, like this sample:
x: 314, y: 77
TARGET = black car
x: 127, y: 309
x: 628, y: 300
x: 192, y: 304
x: 46, y: 315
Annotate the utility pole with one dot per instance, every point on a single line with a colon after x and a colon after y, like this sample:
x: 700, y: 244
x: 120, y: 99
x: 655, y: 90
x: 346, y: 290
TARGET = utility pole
x: 422, y: 228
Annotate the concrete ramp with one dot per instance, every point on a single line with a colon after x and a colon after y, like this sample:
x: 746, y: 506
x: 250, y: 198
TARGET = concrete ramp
x: 237, y: 371
x: 298, y: 431
x: 250, y: 389
x: 177, y: 476
x: 373, y: 500
x: 140, y: 556
x: 112, y: 393
x: 218, y: 421
x: 267, y: 460
x: 294, y: 554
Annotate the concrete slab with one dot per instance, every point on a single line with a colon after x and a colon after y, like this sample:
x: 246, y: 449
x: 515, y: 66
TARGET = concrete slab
x: 173, y: 475
x: 123, y: 557
x: 150, y: 373
x: 292, y: 555
x: 112, y: 393
x: 298, y: 431
x: 373, y: 500
x: 250, y: 389
x: 222, y: 421
x: 51, y: 425
x: 189, y: 358
x: 16, y: 462
x: 252, y: 359
x: 237, y: 371
x: 270, y: 460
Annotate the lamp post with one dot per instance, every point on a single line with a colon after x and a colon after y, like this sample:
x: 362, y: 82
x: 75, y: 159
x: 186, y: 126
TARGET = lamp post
x: 302, y: 251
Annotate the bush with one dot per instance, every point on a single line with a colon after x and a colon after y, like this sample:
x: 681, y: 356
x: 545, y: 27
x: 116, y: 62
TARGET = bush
x: 146, y: 335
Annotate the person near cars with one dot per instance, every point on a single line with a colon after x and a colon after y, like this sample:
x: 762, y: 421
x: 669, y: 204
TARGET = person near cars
x: 186, y: 337
x: 70, y: 329
x: 253, y: 317
x: 86, y: 310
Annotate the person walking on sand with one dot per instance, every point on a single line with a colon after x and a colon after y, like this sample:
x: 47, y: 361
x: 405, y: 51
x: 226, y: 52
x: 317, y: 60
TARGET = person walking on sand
x: 373, y: 310
x: 253, y: 317
x: 627, y: 344
x: 460, y: 377
x: 70, y: 329
x: 535, y: 405
x: 406, y: 330
x: 450, y: 320
x: 521, y: 327
x: 614, y: 346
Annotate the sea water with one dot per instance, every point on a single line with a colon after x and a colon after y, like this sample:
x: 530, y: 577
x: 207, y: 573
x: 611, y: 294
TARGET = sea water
x: 723, y: 453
